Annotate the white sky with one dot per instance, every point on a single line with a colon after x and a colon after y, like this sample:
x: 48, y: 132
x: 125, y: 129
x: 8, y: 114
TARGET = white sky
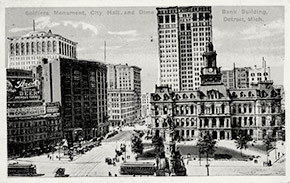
x: 128, y: 36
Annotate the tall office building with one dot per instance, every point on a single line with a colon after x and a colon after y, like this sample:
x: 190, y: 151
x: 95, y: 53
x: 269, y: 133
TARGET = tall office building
x: 28, y: 50
x: 81, y: 88
x: 124, y: 94
x: 182, y: 33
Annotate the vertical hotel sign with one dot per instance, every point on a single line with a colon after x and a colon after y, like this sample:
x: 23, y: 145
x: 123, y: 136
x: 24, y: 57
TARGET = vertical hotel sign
x: 23, y: 89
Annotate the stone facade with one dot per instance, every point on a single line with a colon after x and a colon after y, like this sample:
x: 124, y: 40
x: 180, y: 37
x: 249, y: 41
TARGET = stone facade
x: 215, y: 108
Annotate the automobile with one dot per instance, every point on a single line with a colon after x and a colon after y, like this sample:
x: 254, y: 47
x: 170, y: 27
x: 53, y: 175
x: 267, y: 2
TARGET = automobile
x: 60, y: 172
x: 109, y: 161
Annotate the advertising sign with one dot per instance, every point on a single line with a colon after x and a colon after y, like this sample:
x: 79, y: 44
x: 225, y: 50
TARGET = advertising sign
x: 52, y: 107
x: 25, y: 111
x: 23, y: 89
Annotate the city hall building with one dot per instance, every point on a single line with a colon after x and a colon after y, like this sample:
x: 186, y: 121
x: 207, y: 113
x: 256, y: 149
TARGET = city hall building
x: 214, y: 108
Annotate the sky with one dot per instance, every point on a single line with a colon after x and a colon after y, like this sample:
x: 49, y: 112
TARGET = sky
x: 131, y: 35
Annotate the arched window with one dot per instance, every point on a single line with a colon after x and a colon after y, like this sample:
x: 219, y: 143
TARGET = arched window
x: 186, y: 109
x: 234, y: 95
x: 33, y: 48
x: 181, y: 109
x: 263, y: 107
x: 38, y: 47
x: 54, y: 46
x: 27, y: 49
x: 17, y: 49
x: 156, y: 110
x: 234, y: 108
x: 165, y: 110
x: 242, y: 94
x: 187, y: 121
x: 263, y: 121
x: 245, y: 108
x: 48, y: 47
x: 273, y: 93
x: 59, y: 47
x: 43, y: 47
x: 192, y: 96
x: 240, y: 108
x: 62, y: 49
x: 250, y: 108
x: 65, y: 49
x: 12, y: 49
x: 250, y: 121
x: 22, y: 48
x: 250, y: 94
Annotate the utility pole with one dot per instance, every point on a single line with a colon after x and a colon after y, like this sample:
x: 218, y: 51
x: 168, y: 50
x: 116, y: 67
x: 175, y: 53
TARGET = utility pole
x: 33, y: 24
x: 235, y: 85
x: 105, y: 54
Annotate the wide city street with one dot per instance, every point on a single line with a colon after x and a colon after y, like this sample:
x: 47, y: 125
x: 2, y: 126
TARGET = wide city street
x: 92, y: 163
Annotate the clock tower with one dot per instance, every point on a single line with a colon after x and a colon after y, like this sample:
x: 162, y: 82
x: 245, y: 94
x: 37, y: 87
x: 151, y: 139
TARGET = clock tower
x: 210, y: 73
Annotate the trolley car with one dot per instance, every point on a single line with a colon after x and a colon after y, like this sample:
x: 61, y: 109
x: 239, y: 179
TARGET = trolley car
x: 138, y: 168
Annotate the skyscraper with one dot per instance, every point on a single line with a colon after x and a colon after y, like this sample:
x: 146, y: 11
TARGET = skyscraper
x: 182, y: 33
x: 124, y: 94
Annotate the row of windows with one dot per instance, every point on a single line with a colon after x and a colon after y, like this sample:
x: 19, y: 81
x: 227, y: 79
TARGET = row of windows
x: 41, y: 48
x: 259, y: 74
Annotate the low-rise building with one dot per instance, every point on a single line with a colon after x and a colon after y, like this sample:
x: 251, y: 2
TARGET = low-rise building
x: 33, y: 125
x: 145, y: 105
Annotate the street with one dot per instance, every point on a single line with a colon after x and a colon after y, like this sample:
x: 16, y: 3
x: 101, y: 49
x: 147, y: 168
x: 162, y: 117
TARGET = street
x: 92, y: 163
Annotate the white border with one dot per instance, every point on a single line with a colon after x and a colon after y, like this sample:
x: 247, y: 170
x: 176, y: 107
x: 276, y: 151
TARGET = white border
x: 156, y: 3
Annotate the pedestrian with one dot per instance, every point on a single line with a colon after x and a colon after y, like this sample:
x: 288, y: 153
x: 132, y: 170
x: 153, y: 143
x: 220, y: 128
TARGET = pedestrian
x: 47, y: 155
x: 50, y: 157
x: 110, y: 175
x: 115, y: 175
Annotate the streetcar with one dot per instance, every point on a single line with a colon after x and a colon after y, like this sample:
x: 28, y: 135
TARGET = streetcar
x: 16, y: 169
x: 138, y: 168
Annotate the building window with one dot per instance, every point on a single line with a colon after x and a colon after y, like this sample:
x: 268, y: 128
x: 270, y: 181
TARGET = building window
x: 173, y: 18
x: 54, y: 46
x: 263, y: 121
x: 11, y: 49
x: 166, y: 18
x: 17, y: 49
x: 22, y: 48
